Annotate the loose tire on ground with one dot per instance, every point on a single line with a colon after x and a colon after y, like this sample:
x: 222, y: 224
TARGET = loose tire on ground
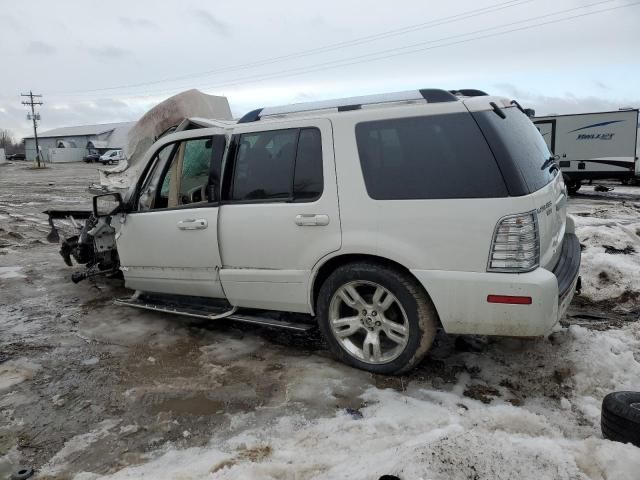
x: 411, y: 307
x: 620, y: 419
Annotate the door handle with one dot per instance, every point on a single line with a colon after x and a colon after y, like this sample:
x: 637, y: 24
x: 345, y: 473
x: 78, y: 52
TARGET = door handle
x: 193, y: 224
x: 312, y: 220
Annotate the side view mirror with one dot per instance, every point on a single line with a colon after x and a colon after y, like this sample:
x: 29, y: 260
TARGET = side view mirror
x: 107, y: 204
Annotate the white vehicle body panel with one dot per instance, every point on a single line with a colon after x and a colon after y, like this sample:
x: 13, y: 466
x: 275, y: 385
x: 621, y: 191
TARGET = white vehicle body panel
x: 267, y: 257
x: 158, y: 256
x: 592, y: 143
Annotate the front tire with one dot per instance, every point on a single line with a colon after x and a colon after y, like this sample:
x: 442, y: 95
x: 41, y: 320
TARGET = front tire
x: 376, y: 318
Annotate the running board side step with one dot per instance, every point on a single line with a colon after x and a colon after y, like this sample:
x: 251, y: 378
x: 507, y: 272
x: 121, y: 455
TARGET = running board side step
x: 210, y: 309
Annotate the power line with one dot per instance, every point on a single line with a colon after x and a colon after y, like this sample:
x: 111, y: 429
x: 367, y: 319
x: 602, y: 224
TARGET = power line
x: 414, y: 48
x: 32, y: 103
x: 408, y: 49
x: 318, y: 50
x: 399, y: 51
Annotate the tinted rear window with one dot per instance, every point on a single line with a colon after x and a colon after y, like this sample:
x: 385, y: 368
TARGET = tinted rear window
x: 439, y: 156
x: 519, y: 149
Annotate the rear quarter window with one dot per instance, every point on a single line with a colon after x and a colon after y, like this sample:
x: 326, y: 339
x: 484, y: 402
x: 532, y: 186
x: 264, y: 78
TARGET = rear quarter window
x: 519, y: 149
x: 431, y: 157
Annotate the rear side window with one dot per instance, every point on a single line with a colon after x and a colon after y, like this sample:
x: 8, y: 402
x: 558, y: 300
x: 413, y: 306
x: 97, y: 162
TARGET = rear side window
x: 264, y: 165
x: 278, y: 165
x: 439, y: 156
x: 519, y: 148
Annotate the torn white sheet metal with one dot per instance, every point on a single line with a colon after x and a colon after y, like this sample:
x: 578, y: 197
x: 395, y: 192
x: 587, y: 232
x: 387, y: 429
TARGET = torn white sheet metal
x: 173, y: 111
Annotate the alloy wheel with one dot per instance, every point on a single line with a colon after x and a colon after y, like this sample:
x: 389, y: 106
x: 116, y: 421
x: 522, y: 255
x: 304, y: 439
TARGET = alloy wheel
x: 368, y: 322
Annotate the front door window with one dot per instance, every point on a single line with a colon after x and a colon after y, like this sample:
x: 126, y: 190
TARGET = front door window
x: 179, y: 176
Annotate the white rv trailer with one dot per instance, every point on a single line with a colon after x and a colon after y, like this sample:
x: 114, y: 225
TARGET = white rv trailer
x: 593, y: 146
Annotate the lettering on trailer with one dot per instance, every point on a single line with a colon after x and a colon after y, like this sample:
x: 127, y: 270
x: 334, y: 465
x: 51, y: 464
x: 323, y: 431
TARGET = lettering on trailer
x: 596, y: 136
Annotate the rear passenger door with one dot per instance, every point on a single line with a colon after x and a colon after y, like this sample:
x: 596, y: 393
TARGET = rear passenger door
x: 279, y: 214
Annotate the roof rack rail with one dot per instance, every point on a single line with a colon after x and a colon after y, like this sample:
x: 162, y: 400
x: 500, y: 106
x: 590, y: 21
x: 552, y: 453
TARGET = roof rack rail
x: 431, y: 95
x: 468, y: 92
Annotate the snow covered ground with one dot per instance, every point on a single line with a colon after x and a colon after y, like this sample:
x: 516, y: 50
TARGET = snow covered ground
x: 89, y: 390
x: 607, y: 229
x: 439, y: 433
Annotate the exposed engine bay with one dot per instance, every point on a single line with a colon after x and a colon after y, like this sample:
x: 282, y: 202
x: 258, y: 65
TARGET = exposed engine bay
x: 94, y: 245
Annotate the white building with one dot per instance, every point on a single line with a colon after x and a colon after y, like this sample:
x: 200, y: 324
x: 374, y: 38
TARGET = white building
x: 70, y: 144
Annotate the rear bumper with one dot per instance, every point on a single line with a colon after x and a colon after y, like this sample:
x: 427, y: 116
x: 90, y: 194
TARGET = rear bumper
x: 461, y: 297
x: 567, y: 269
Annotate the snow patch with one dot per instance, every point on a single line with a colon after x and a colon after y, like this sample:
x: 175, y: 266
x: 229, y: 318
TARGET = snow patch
x: 13, y: 372
x: 11, y: 272
x: 75, y: 445
x: 606, y: 276
x: 9, y: 462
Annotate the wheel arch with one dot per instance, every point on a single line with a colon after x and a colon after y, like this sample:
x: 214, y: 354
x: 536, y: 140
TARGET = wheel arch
x: 329, y: 265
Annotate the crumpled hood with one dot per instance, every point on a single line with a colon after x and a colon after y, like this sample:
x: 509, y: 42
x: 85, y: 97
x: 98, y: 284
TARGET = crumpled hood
x: 166, y: 114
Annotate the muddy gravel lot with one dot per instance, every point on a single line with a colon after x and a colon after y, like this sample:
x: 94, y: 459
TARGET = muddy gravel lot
x: 88, y: 386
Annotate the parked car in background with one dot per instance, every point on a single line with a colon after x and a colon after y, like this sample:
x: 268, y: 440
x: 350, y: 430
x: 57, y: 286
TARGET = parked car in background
x: 92, y: 157
x: 111, y: 156
x: 16, y: 156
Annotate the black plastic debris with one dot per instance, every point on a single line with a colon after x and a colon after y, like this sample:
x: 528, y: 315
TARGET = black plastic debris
x: 603, y: 188
x: 54, y: 236
x: 23, y: 474
x: 389, y: 477
x: 470, y: 344
x: 628, y: 250
x: 354, y: 412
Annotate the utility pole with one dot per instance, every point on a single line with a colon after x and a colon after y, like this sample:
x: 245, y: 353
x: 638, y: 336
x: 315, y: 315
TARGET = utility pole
x: 32, y: 104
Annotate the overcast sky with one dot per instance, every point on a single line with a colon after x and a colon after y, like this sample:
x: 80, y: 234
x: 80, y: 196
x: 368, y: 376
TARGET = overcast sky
x: 106, y: 61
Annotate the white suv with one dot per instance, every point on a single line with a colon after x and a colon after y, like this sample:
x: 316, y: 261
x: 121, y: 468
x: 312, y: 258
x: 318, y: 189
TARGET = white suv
x: 381, y: 218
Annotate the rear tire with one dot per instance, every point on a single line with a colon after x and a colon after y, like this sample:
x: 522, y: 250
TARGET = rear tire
x: 376, y: 318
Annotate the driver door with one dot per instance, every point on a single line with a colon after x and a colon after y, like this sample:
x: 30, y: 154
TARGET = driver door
x: 168, y: 243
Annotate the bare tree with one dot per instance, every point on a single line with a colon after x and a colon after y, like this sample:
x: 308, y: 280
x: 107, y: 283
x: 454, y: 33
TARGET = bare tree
x: 9, y: 142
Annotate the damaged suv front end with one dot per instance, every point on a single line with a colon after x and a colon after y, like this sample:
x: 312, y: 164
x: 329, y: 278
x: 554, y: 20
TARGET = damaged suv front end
x: 94, y: 245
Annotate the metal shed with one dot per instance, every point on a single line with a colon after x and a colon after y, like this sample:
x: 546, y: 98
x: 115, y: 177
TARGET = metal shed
x: 68, y: 144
